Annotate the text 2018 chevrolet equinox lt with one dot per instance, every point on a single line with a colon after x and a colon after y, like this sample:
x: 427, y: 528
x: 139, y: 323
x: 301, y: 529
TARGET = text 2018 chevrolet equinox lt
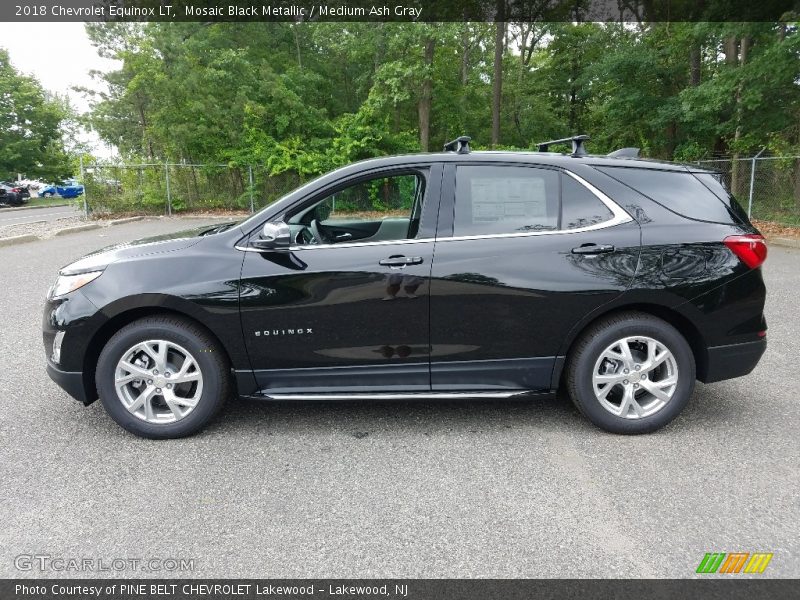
x: 446, y: 275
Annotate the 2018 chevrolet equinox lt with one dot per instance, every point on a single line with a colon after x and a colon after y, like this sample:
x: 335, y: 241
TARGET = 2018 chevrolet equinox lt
x: 446, y: 275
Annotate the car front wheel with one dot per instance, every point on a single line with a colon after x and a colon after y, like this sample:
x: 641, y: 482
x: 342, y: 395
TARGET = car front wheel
x: 162, y: 377
x: 631, y: 373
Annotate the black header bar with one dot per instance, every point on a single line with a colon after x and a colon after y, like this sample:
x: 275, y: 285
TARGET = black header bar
x: 399, y: 10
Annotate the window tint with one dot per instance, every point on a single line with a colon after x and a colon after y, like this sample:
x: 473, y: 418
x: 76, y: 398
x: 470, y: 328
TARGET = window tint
x: 492, y: 200
x: 678, y: 191
x: 579, y: 206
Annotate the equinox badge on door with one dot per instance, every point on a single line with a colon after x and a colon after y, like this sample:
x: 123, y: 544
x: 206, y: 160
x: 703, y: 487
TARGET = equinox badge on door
x: 276, y: 332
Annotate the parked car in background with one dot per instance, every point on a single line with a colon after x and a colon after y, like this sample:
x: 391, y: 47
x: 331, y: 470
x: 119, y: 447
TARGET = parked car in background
x: 32, y: 184
x: 69, y: 189
x: 20, y: 189
x: 8, y: 197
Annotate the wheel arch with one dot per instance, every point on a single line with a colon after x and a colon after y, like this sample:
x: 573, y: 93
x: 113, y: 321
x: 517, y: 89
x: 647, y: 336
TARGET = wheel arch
x: 120, y: 320
x: 684, y: 325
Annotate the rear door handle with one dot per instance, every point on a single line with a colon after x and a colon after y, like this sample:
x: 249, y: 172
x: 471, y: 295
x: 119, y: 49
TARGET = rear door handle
x: 400, y: 261
x: 593, y: 249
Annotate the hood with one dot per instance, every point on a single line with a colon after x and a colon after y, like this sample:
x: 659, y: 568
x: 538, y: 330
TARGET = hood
x: 168, y: 242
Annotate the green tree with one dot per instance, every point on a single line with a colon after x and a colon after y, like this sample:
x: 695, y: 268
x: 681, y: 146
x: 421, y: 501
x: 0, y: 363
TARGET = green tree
x: 30, y: 127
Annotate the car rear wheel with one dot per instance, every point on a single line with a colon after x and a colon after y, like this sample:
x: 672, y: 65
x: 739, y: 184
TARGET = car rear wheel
x: 631, y: 373
x: 48, y: 195
x: 162, y: 377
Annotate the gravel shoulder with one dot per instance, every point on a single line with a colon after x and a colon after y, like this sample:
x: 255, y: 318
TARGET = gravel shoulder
x: 41, y: 229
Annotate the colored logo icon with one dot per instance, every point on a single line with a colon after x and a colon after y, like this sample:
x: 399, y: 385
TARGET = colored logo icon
x: 734, y: 562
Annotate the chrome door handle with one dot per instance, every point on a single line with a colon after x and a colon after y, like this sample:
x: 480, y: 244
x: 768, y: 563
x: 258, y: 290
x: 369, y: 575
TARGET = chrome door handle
x: 593, y: 249
x: 400, y: 261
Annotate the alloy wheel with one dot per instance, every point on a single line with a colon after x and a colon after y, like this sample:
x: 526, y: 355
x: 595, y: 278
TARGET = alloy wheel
x: 635, y: 377
x: 158, y: 381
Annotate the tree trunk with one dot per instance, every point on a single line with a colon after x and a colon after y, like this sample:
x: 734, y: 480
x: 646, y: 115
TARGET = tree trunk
x: 424, y: 106
x: 465, y: 48
x: 497, y: 84
x: 738, y: 174
x: 297, y: 47
x: 694, y: 64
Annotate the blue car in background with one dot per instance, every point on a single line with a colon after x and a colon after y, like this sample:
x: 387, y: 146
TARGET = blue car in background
x: 69, y: 189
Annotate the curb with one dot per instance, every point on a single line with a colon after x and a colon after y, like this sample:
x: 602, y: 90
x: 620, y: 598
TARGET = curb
x: 19, y: 239
x: 785, y: 242
x: 16, y: 208
x: 76, y: 229
x: 126, y: 220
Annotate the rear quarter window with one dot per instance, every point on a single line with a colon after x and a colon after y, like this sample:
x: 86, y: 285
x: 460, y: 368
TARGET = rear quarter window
x: 679, y: 191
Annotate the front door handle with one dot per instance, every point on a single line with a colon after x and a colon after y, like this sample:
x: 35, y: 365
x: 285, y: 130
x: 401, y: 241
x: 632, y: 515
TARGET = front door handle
x: 593, y: 249
x: 400, y: 261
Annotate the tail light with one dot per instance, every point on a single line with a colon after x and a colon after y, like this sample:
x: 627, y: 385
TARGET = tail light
x: 751, y: 249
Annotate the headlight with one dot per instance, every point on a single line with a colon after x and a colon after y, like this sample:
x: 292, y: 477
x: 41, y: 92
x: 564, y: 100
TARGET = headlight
x: 69, y: 283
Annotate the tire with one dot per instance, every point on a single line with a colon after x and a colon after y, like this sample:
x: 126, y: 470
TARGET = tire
x: 48, y: 195
x: 639, y: 393
x: 194, y: 398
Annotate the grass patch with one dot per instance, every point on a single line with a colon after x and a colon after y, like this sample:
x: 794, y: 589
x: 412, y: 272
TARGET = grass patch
x: 52, y: 201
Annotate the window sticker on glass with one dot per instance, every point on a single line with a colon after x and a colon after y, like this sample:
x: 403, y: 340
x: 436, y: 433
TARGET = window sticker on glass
x: 505, y: 199
x: 502, y: 199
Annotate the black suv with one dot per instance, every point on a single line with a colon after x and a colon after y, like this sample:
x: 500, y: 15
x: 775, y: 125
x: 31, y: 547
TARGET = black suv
x: 448, y: 275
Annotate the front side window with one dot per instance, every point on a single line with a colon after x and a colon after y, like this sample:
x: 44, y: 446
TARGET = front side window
x: 504, y: 199
x: 382, y: 208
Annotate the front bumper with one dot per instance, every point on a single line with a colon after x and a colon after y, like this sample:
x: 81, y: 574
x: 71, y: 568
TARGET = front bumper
x: 734, y: 360
x: 70, y: 381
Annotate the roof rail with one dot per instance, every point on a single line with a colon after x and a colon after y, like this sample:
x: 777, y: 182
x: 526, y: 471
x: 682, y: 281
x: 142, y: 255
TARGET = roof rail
x: 459, y: 145
x: 576, y: 140
x: 624, y: 153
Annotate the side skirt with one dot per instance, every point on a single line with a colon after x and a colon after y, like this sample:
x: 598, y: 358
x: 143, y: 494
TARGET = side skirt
x: 380, y: 396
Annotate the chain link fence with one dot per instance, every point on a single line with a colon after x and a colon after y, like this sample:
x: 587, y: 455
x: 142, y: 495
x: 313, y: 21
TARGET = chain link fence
x: 175, y: 188
x: 767, y: 187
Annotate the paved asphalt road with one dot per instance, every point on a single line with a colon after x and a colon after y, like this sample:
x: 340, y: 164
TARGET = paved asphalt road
x: 29, y: 215
x: 476, y: 489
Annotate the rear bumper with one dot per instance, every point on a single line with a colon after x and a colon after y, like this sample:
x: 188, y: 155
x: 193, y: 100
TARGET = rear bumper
x: 70, y: 381
x: 734, y: 360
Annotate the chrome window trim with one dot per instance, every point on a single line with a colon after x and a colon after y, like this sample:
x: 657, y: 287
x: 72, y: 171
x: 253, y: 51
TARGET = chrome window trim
x: 619, y: 217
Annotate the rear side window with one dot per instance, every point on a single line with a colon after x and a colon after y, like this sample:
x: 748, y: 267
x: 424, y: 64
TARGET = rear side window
x: 579, y: 206
x: 503, y: 199
x: 714, y: 183
x: 679, y: 191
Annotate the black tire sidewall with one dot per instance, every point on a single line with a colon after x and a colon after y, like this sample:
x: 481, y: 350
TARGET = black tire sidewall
x: 582, y: 368
x: 214, y: 385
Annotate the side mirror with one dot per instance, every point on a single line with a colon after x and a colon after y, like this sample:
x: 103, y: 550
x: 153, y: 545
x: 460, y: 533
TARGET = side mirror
x: 274, y: 236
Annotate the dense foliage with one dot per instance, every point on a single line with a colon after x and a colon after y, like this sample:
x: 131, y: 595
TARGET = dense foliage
x: 31, y: 127
x: 302, y: 98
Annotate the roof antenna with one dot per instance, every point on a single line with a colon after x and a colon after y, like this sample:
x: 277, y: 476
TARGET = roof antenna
x: 624, y: 153
x: 576, y: 140
x: 459, y: 145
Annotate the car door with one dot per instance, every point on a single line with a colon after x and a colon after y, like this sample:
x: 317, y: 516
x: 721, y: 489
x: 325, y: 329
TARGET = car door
x: 523, y: 253
x: 350, y: 314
